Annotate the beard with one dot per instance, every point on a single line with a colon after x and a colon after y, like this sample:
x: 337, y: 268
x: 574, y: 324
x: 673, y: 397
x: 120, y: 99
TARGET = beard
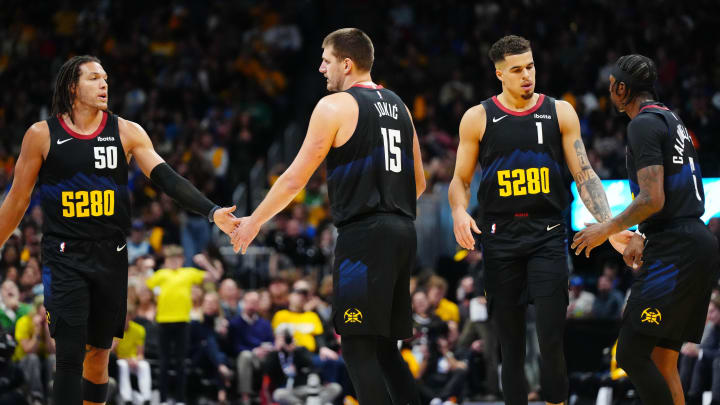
x: 528, y: 96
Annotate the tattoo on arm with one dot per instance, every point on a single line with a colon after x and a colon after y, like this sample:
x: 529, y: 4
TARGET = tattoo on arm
x: 590, y: 188
x: 643, y: 206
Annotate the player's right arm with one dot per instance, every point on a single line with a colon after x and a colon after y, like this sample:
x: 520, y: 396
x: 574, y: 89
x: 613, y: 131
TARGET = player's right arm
x: 35, y: 146
x: 137, y: 143
x: 472, y: 128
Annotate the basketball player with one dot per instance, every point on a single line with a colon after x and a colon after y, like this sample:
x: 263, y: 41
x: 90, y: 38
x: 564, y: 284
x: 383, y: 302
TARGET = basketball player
x: 80, y: 156
x: 375, y: 174
x: 523, y: 141
x: 674, y: 254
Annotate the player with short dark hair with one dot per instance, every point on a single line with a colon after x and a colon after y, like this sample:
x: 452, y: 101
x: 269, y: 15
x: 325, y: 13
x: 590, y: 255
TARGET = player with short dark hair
x: 674, y: 255
x: 79, y: 158
x: 525, y: 142
x: 374, y: 177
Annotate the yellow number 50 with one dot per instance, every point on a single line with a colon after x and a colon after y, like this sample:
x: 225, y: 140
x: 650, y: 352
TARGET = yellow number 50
x: 82, y: 204
x: 520, y: 182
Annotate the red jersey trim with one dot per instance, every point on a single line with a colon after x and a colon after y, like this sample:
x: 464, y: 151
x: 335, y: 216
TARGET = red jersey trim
x: 655, y: 106
x: 534, y: 108
x: 82, y: 136
x: 368, y: 86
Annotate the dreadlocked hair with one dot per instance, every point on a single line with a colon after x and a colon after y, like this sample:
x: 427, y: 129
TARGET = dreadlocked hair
x: 67, y: 79
x: 639, y: 74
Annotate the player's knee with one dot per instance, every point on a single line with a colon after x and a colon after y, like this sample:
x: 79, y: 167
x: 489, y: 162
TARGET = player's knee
x: 96, y: 363
x: 69, y: 348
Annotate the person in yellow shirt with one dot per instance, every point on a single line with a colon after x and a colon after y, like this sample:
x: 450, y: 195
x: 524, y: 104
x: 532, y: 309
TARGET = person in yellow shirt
x: 444, y: 308
x: 130, y: 352
x: 174, y: 302
x: 304, y: 326
x: 35, y: 349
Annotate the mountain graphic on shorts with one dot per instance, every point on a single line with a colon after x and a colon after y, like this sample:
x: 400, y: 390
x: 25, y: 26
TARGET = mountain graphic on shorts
x: 353, y: 279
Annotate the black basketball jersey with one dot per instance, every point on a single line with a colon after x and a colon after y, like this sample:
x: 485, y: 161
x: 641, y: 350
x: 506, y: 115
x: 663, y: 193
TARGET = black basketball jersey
x: 83, y: 183
x: 656, y: 136
x: 522, y: 161
x: 373, y: 172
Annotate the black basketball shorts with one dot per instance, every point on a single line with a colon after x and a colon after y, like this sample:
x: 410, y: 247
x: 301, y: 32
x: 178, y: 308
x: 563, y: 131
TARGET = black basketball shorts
x: 374, y: 257
x: 85, y: 283
x: 670, y: 295
x: 524, y: 258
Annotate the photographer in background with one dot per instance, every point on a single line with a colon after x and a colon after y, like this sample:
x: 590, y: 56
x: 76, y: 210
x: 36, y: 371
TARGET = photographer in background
x: 290, y: 370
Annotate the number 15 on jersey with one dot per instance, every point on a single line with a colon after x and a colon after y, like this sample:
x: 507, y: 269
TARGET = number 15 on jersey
x: 393, y: 156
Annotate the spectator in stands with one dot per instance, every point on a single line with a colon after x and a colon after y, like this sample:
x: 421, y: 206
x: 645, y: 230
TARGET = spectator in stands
x: 206, y: 338
x: 229, y: 297
x: 480, y: 344
x: 608, y: 302
x: 279, y: 294
x: 445, y: 309
x: 173, y: 314
x: 251, y: 338
x: 30, y: 283
x: 130, y: 351
x: 137, y: 244
x: 700, y: 364
x: 12, y: 378
x: 35, y: 351
x: 11, y: 308
x: 290, y: 368
x: 304, y: 326
x: 581, y: 301
x: 442, y: 373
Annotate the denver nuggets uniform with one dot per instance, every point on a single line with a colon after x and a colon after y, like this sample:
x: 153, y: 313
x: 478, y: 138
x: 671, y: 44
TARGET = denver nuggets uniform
x: 669, y: 297
x: 85, y: 200
x: 371, y: 186
x: 523, y: 191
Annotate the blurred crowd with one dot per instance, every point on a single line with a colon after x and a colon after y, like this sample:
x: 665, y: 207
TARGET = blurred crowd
x: 219, y: 85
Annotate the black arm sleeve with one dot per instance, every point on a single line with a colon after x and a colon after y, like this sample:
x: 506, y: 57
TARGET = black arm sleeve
x: 180, y: 190
x: 645, y: 134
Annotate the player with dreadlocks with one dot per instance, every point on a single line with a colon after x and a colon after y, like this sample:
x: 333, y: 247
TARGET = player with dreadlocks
x: 79, y: 158
x: 674, y: 255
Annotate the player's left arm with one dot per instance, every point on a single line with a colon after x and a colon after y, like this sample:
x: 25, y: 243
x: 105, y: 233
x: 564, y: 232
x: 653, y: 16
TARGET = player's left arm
x: 137, y: 143
x: 324, y: 124
x: 644, y: 139
x: 588, y: 183
x: 417, y: 161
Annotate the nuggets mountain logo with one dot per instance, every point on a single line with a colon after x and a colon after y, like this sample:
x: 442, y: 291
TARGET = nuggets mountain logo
x: 651, y: 315
x: 353, y: 315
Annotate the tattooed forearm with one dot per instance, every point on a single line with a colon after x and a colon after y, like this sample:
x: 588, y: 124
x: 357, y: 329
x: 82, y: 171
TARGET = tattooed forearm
x: 593, y: 195
x: 590, y: 188
x: 649, y: 200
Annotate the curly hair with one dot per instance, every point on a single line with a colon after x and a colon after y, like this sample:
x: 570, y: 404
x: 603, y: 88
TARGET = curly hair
x: 508, y: 45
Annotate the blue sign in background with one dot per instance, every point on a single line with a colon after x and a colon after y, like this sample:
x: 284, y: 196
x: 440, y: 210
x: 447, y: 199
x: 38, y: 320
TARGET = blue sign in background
x: 619, y: 197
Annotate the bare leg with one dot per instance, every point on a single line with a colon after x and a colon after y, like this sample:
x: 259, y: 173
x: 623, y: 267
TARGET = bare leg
x: 666, y: 361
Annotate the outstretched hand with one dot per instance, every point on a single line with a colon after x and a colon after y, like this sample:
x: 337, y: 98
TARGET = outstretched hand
x: 225, y: 220
x: 244, y: 234
x: 590, y: 238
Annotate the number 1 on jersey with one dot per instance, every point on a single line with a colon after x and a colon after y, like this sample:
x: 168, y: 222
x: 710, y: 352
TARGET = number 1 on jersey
x: 391, y: 140
x: 539, y: 128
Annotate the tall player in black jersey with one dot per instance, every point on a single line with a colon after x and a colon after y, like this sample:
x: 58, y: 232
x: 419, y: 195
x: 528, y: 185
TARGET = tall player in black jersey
x: 375, y: 175
x: 80, y: 156
x: 523, y: 141
x: 674, y: 254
